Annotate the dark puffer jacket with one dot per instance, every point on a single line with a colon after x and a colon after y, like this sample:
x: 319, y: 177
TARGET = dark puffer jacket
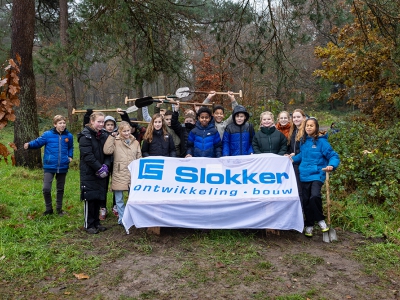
x: 92, y: 158
x: 181, y: 130
x: 160, y: 145
x: 204, y: 141
x: 238, y: 138
x: 269, y: 140
x: 58, y: 147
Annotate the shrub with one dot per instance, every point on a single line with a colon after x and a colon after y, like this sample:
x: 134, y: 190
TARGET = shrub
x: 370, y: 161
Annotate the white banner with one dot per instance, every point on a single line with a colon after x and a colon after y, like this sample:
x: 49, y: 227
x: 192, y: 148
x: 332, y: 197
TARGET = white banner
x: 210, y: 192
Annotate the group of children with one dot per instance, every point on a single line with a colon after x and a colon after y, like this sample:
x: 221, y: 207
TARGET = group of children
x: 106, y: 149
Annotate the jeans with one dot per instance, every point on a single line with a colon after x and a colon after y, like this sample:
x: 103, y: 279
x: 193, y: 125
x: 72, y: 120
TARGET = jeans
x: 47, y: 182
x: 119, y: 201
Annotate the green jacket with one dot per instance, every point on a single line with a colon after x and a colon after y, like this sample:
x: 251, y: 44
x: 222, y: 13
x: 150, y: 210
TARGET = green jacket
x: 269, y: 140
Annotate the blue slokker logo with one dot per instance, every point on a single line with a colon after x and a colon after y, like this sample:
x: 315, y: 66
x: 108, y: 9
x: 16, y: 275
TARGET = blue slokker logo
x: 151, y: 169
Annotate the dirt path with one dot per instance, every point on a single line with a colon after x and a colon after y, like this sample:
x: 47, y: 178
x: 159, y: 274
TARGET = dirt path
x: 188, y: 264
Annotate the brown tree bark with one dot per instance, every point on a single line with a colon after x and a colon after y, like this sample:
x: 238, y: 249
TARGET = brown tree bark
x: 26, y: 123
x: 68, y: 79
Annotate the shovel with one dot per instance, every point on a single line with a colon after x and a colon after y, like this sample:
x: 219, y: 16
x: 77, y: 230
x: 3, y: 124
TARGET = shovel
x: 185, y: 94
x: 146, y: 101
x: 330, y: 235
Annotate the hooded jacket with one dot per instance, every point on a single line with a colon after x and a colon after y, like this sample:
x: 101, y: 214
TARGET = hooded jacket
x: 124, y: 153
x: 314, y: 156
x: 204, y: 141
x: 58, y: 148
x: 92, y: 158
x: 237, y: 139
x: 108, y: 118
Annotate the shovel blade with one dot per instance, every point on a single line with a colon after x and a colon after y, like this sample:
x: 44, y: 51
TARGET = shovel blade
x: 332, y: 235
x: 325, y: 237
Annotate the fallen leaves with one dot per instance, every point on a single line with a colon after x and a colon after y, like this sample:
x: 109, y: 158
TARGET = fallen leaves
x: 81, y: 276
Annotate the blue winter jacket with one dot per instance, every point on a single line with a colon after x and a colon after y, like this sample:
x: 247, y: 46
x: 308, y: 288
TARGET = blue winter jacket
x: 313, y: 157
x: 204, y: 141
x: 58, y: 148
x: 237, y: 139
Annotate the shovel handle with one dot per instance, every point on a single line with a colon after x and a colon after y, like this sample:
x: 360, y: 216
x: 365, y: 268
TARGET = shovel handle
x: 328, y: 199
x: 217, y: 93
x: 77, y: 111
x: 188, y: 103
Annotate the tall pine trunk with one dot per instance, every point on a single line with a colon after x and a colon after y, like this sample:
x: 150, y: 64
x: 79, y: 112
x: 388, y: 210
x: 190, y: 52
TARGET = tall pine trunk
x: 68, y: 79
x: 26, y: 123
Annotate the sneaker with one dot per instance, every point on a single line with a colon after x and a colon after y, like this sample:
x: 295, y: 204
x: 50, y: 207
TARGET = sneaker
x: 323, y: 226
x: 101, y: 228
x: 115, y: 210
x: 308, y: 231
x: 103, y: 213
x: 60, y: 212
x: 48, y: 212
x: 92, y: 230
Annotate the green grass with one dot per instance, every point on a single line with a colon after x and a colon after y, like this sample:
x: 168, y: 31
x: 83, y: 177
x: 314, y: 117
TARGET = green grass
x: 34, y: 246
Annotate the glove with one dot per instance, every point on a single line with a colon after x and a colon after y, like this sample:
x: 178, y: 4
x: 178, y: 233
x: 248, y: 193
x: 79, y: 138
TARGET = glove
x: 102, y: 172
x: 89, y: 111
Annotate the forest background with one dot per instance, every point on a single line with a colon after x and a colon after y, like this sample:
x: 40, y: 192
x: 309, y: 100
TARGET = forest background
x: 337, y: 60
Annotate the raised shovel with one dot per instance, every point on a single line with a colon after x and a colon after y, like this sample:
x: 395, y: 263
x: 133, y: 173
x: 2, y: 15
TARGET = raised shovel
x: 330, y: 235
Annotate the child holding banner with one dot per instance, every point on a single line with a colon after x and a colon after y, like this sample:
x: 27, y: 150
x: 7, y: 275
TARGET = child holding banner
x: 238, y: 135
x: 157, y: 141
x: 125, y: 149
x: 268, y: 139
x: 315, y: 154
x: 204, y: 140
x: 296, y: 133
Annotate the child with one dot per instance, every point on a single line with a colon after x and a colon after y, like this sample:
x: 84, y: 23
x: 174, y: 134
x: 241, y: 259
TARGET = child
x: 167, y: 116
x: 183, y: 130
x: 218, y: 112
x: 125, y: 148
x: 204, y: 139
x: 283, y: 124
x: 94, y: 165
x: 296, y: 133
x: 137, y: 130
x: 58, y: 153
x: 157, y: 141
x: 175, y: 137
x: 238, y: 135
x: 315, y: 154
x: 110, y: 127
x: 268, y: 139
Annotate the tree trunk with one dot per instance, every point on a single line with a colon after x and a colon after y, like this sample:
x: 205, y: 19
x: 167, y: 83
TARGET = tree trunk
x: 26, y: 123
x: 68, y: 79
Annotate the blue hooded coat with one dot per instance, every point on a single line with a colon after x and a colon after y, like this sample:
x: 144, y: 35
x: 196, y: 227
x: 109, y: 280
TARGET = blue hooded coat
x: 315, y: 155
x: 237, y: 139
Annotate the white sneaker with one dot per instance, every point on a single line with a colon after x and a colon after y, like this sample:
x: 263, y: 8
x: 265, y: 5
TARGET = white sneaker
x: 308, y: 231
x: 323, y: 226
x: 103, y: 213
